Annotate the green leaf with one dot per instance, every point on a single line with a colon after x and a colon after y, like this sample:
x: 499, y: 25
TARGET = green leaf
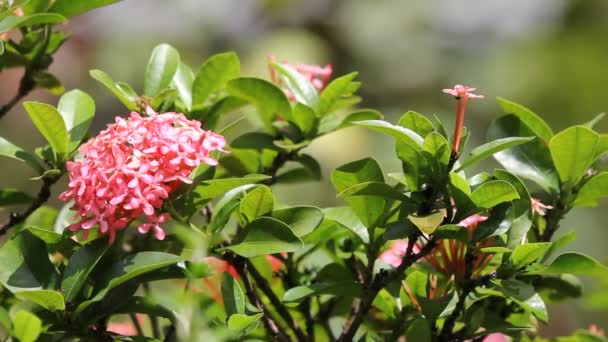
x: 429, y: 223
x: 70, y: 8
x: 48, y: 82
x: 13, y: 197
x: 25, y: 264
x: 182, y: 81
x: 50, y: 124
x: 8, y: 149
x: 120, y: 94
x: 559, y: 243
x: 147, y: 305
x: 531, y: 160
x: 55, y: 242
x: 215, y: 187
x: 592, y: 191
x: 529, y: 118
x: 227, y: 205
x: 26, y: 326
x: 595, y: 120
x: 80, y: 266
x: 573, y: 263
x: 302, y: 219
x: 489, y: 194
x: 213, y: 75
x: 162, y: 65
x: 401, y: 134
x: 368, y: 208
x: 297, y: 84
x: 378, y: 189
x: 525, y: 296
x: 240, y: 322
x: 417, y: 123
x: 255, y: 141
x: 438, y: 147
x: 528, y: 253
x: 304, y: 117
x: 522, y: 209
x: 452, y: 232
x: 264, y: 236
x: 269, y: 100
x: 256, y: 203
x: 1, y: 48
x: 234, y: 299
x: 12, y: 22
x: 48, y: 299
x: 334, y: 122
x: 77, y: 109
x: 343, y: 288
x: 573, y: 150
x: 491, y: 148
x: 346, y: 217
x: 127, y: 269
x: 335, y: 90
x: 419, y: 330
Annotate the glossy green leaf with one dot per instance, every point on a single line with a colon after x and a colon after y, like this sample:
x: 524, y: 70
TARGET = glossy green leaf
x: 55, y: 242
x: 347, y: 218
x: 255, y: 141
x: 429, y: 223
x: 558, y: 244
x: 234, y: 299
x: 12, y: 22
x: 256, y: 203
x: 302, y: 219
x: 304, y: 117
x: 368, y: 208
x: 213, y: 75
x: 417, y: 123
x: 419, y: 330
x: 529, y: 118
x: 80, y: 266
x: 531, y: 160
x: 377, y: 189
x: 48, y: 299
x: 297, y: 84
x: 343, y: 287
x: 335, y: 90
x: 1, y: 48
x: 162, y: 65
x: 488, y: 149
x: 182, y: 81
x: 50, y: 124
x: 264, y: 236
x: 121, y: 95
x: 592, y: 191
x: 13, y: 197
x: 48, y: 82
x: 70, y: 8
x: 528, y: 253
x: 241, y: 322
x: 26, y: 326
x: 215, y: 187
x: 574, y: 263
x: 491, y: 193
x: 77, y: 109
x: 522, y: 209
x: 269, y: 100
x: 401, y: 134
x: 525, y: 296
x: 573, y: 150
x: 227, y: 205
x: 438, y: 147
x: 334, y: 122
x: 147, y: 305
x: 24, y: 263
x: 127, y: 269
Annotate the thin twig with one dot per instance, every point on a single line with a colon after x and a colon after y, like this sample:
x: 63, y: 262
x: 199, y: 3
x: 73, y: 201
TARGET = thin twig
x: 43, y: 195
x: 140, y: 331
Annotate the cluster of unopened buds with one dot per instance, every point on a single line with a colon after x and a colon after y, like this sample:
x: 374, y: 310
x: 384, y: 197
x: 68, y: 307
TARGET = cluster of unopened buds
x: 317, y: 75
x: 130, y: 169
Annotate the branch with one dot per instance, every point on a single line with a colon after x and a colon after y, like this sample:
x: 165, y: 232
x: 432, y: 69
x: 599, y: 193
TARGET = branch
x: 276, y: 302
x: 269, y: 321
x: 362, y: 305
x: 43, y: 195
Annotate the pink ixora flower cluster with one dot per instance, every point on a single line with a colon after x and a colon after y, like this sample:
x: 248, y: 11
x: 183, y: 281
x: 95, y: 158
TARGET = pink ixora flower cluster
x: 132, y: 166
x: 317, y: 75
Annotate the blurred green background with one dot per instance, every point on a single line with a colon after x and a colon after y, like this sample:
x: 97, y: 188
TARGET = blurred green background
x: 550, y: 55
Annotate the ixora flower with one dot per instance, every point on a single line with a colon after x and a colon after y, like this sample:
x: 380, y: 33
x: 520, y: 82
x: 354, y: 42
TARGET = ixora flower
x: 132, y: 166
x: 449, y: 256
x: 540, y: 208
x: 317, y: 75
x: 461, y: 93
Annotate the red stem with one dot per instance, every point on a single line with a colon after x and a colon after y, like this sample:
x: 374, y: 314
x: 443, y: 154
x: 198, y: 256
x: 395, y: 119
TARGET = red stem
x: 461, y: 106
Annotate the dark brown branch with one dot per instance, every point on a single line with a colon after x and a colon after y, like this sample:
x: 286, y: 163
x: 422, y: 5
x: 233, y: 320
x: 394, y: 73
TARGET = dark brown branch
x: 269, y: 321
x: 276, y: 302
x: 362, y: 305
x: 43, y: 195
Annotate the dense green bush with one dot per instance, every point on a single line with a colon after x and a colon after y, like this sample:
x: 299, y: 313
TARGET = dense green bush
x: 182, y: 234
